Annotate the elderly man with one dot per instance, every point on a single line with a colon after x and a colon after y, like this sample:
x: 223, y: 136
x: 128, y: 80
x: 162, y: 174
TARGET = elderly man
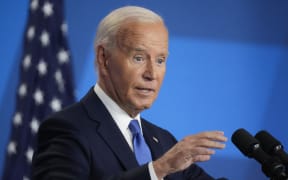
x: 104, y: 136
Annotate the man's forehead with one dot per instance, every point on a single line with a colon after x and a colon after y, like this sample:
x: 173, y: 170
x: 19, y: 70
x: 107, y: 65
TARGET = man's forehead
x: 134, y: 47
x: 142, y: 36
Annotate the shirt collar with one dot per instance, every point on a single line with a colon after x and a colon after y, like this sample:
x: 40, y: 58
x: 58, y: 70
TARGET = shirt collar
x: 121, y: 118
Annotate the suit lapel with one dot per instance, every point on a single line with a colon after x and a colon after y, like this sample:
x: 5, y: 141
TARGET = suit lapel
x: 108, y: 130
x: 152, y: 140
x: 114, y: 138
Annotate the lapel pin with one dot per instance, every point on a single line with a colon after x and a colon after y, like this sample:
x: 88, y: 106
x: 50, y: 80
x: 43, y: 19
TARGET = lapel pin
x: 155, y: 139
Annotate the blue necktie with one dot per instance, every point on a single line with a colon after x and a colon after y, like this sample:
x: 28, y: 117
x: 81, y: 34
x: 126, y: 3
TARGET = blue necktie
x: 141, y: 149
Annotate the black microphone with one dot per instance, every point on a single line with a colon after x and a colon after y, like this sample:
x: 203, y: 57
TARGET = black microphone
x: 272, y: 146
x: 250, y: 147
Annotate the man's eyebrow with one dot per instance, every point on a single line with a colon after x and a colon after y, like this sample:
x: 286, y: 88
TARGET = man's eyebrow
x: 138, y: 49
x: 129, y: 48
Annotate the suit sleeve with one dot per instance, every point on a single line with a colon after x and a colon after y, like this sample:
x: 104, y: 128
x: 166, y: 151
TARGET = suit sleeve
x: 62, y: 153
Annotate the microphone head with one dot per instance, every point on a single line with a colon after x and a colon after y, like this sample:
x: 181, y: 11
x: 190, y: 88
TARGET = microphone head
x: 250, y: 147
x: 268, y: 142
x: 245, y: 142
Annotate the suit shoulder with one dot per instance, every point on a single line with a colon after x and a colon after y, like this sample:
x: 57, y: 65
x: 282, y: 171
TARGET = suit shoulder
x: 152, y: 125
x: 72, y: 117
x: 157, y: 129
x: 70, y: 110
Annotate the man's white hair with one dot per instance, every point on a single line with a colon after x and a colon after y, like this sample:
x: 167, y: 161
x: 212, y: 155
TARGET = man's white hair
x: 109, y: 26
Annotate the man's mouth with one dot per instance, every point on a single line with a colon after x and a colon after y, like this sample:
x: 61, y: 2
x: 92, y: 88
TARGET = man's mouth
x: 145, y: 90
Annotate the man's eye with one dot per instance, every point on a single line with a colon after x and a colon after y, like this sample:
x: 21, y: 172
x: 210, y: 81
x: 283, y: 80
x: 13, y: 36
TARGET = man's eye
x: 138, y: 59
x: 160, y: 61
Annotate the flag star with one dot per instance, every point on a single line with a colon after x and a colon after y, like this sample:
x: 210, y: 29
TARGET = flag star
x: 12, y: 148
x: 17, y: 120
x: 47, y: 9
x: 45, y: 38
x: 63, y: 56
x: 29, y: 154
x: 38, y: 97
x: 22, y: 90
x: 55, y: 105
x: 27, y: 61
x: 58, y: 76
x: 31, y: 33
x: 34, y: 125
x: 59, y: 80
x: 42, y: 67
x: 64, y: 28
x: 34, y: 5
x: 25, y: 178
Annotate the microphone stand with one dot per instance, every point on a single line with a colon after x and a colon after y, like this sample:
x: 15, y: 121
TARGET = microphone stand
x: 274, y: 169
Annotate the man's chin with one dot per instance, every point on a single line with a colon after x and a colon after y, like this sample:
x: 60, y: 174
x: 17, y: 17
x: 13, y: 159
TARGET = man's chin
x: 139, y: 107
x: 145, y: 106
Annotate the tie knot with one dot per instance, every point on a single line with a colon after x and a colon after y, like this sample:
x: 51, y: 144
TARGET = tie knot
x: 134, y: 127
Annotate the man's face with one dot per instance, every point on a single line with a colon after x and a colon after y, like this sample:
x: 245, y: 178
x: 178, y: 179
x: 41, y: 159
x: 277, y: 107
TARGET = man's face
x: 135, y: 67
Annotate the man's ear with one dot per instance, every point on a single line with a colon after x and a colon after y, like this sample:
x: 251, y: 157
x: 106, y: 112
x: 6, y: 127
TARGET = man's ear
x: 102, y: 59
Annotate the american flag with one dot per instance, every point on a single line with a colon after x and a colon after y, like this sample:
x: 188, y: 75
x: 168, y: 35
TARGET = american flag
x: 46, y: 83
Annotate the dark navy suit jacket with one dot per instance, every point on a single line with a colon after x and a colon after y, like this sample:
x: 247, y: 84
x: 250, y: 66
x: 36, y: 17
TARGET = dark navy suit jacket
x: 83, y: 142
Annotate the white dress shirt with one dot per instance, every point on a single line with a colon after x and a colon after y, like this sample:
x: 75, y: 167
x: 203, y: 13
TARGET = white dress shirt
x: 122, y: 119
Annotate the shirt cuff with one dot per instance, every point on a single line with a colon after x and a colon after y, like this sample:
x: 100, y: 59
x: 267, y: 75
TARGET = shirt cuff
x: 152, y: 172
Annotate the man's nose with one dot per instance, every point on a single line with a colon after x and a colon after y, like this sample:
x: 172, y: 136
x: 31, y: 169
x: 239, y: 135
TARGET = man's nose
x: 150, y: 70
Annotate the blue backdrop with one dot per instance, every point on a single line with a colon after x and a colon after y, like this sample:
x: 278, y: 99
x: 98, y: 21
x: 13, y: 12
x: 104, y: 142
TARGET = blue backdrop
x: 227, y: 68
